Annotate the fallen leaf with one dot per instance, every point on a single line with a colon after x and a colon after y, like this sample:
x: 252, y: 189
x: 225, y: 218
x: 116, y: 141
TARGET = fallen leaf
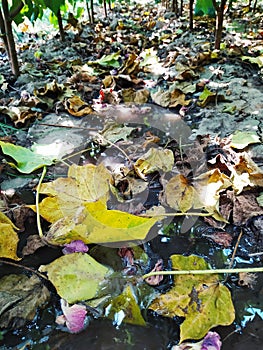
x: 210, y: 342
x: 180, y: 194
x: 125, y: 308
x: 154, y: 160
x: 208, y: 96
x: 8, y: 238
x: 76, y: 107
x: 113, y: 132
x: 201, y: 299
x: 76, y: 276
x: 241, y: 139
x: 26, y: 160
x: 20, y: 297
x: 137, y: 96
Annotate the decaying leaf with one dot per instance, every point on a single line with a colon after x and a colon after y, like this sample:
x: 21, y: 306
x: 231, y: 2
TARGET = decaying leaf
x: 125, y: 308
x: 73, y: 316
x: 8, y: 238
x: 139, y: 96
x: 113, y: 132
x: 201, y: 299
x: 208, y: 96
x: 76, y: 107
x: 210, y: 342
x: 76, y: 276
x: 26, y: 160
x: 20, y: 297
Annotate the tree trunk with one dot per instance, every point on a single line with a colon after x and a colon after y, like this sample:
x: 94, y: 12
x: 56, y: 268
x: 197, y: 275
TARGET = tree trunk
x: 10, y: 38
x: 3, y: 33
x: 105, y: 8
x: 60, y: 25
x: 92, y: 11
x: 181, y: 8
x: 220, y: 8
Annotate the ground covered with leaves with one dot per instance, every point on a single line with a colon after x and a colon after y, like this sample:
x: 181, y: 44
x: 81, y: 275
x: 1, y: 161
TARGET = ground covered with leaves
x: 132, y: 169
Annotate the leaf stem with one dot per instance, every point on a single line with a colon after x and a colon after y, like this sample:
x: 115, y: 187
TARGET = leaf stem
x: 40, y: 232
x: 202, y: 272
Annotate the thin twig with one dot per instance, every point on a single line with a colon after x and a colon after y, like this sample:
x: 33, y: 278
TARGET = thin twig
x: 202, y: 272
x: 68, y: 126
x: 24, y: 267
x: 235, y: 249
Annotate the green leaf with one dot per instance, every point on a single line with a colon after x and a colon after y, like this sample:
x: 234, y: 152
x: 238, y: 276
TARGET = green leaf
x: 260, y: 199
x: 201, y: 299
x: 111, y: 60
x: 257, y: 60
x: 125, y: 307
x: 242, y: 139
x: 76, y: 276
x: 26, y: 160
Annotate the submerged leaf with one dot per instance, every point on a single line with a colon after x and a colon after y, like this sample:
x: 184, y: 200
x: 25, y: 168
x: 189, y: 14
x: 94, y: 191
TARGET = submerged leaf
x: 201, y: 299
x: 125, y: 308
x: 76, y: 276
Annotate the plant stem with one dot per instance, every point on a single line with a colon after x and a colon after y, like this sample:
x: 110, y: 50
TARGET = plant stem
x: 40, y: 232
x: 202, y: 272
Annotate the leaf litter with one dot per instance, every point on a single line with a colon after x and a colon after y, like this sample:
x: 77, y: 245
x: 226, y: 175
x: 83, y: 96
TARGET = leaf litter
x: 78, y: 204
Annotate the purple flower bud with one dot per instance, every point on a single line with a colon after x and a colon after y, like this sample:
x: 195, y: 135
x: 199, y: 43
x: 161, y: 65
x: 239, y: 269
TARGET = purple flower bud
x: 77, y: 246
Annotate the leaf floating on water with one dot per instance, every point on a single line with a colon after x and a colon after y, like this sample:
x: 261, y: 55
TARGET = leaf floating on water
x: 76, y: 276
x: 201, y: 299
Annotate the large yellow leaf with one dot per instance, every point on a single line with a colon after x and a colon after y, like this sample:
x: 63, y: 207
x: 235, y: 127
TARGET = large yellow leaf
x: 8, y: 238
x: 201, y: 299
x: 76, y: 276
x: 76, y: 207
x: 94, y: 223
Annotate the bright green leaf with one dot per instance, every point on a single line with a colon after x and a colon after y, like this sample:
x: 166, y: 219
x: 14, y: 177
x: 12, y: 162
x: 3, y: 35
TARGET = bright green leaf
x: 76, y: 276
x: 242, y: 139
x: 26, y: 160
x: 257, y: 60
x: 201, y: 299
x: 111, y: 60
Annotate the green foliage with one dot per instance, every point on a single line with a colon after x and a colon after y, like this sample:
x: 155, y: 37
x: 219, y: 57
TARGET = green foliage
x: 204, y: 7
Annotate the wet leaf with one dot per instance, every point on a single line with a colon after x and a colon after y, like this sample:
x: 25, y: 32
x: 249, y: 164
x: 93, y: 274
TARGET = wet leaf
x: 125, y: 308
x: 241, y: 139
x: 210, y: 342
x: 76, y: 107
x: 20, y: 297
x: 26, y: 160
x: 76, y: 276
x: 77, y: 208
x: 8, y: 238
x: 73, y: 316
x: 113, y: 132
x: 201, y: 299
x: 154, y: 160
x: 180, y: 194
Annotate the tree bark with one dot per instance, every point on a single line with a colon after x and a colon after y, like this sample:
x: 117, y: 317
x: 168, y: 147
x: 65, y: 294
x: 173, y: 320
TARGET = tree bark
x: 10, y: 38
x: 220, y: 9
x: 191, y: 18
x: 60, y: 25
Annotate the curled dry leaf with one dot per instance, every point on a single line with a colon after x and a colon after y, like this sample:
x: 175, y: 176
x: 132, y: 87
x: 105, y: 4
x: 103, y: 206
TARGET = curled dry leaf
x: 76, y: 107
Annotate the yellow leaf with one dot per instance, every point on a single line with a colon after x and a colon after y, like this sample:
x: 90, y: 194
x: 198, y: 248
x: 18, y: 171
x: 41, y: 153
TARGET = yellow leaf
x: 76, y: 276
x: 180, y: 195
x: 154, y: 160
x: 200, y: 299
x: 8, y: 238
x: 94, y: 223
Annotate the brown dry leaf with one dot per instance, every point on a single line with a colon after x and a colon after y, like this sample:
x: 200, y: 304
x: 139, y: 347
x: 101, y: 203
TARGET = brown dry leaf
x: 109, y: 82
x: 180, y: 194
x: 20, y: 114
x: 34, y: 242
x: 161, y: 98
x: 139, y: 96
x: 245, y: 206
x: 178, y: 98
x: 50, y: 90
x: 246, y: 173
x: 131, y: 65
x: 76, y: 107
x: 222, y: 238
x: 155, y: 280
